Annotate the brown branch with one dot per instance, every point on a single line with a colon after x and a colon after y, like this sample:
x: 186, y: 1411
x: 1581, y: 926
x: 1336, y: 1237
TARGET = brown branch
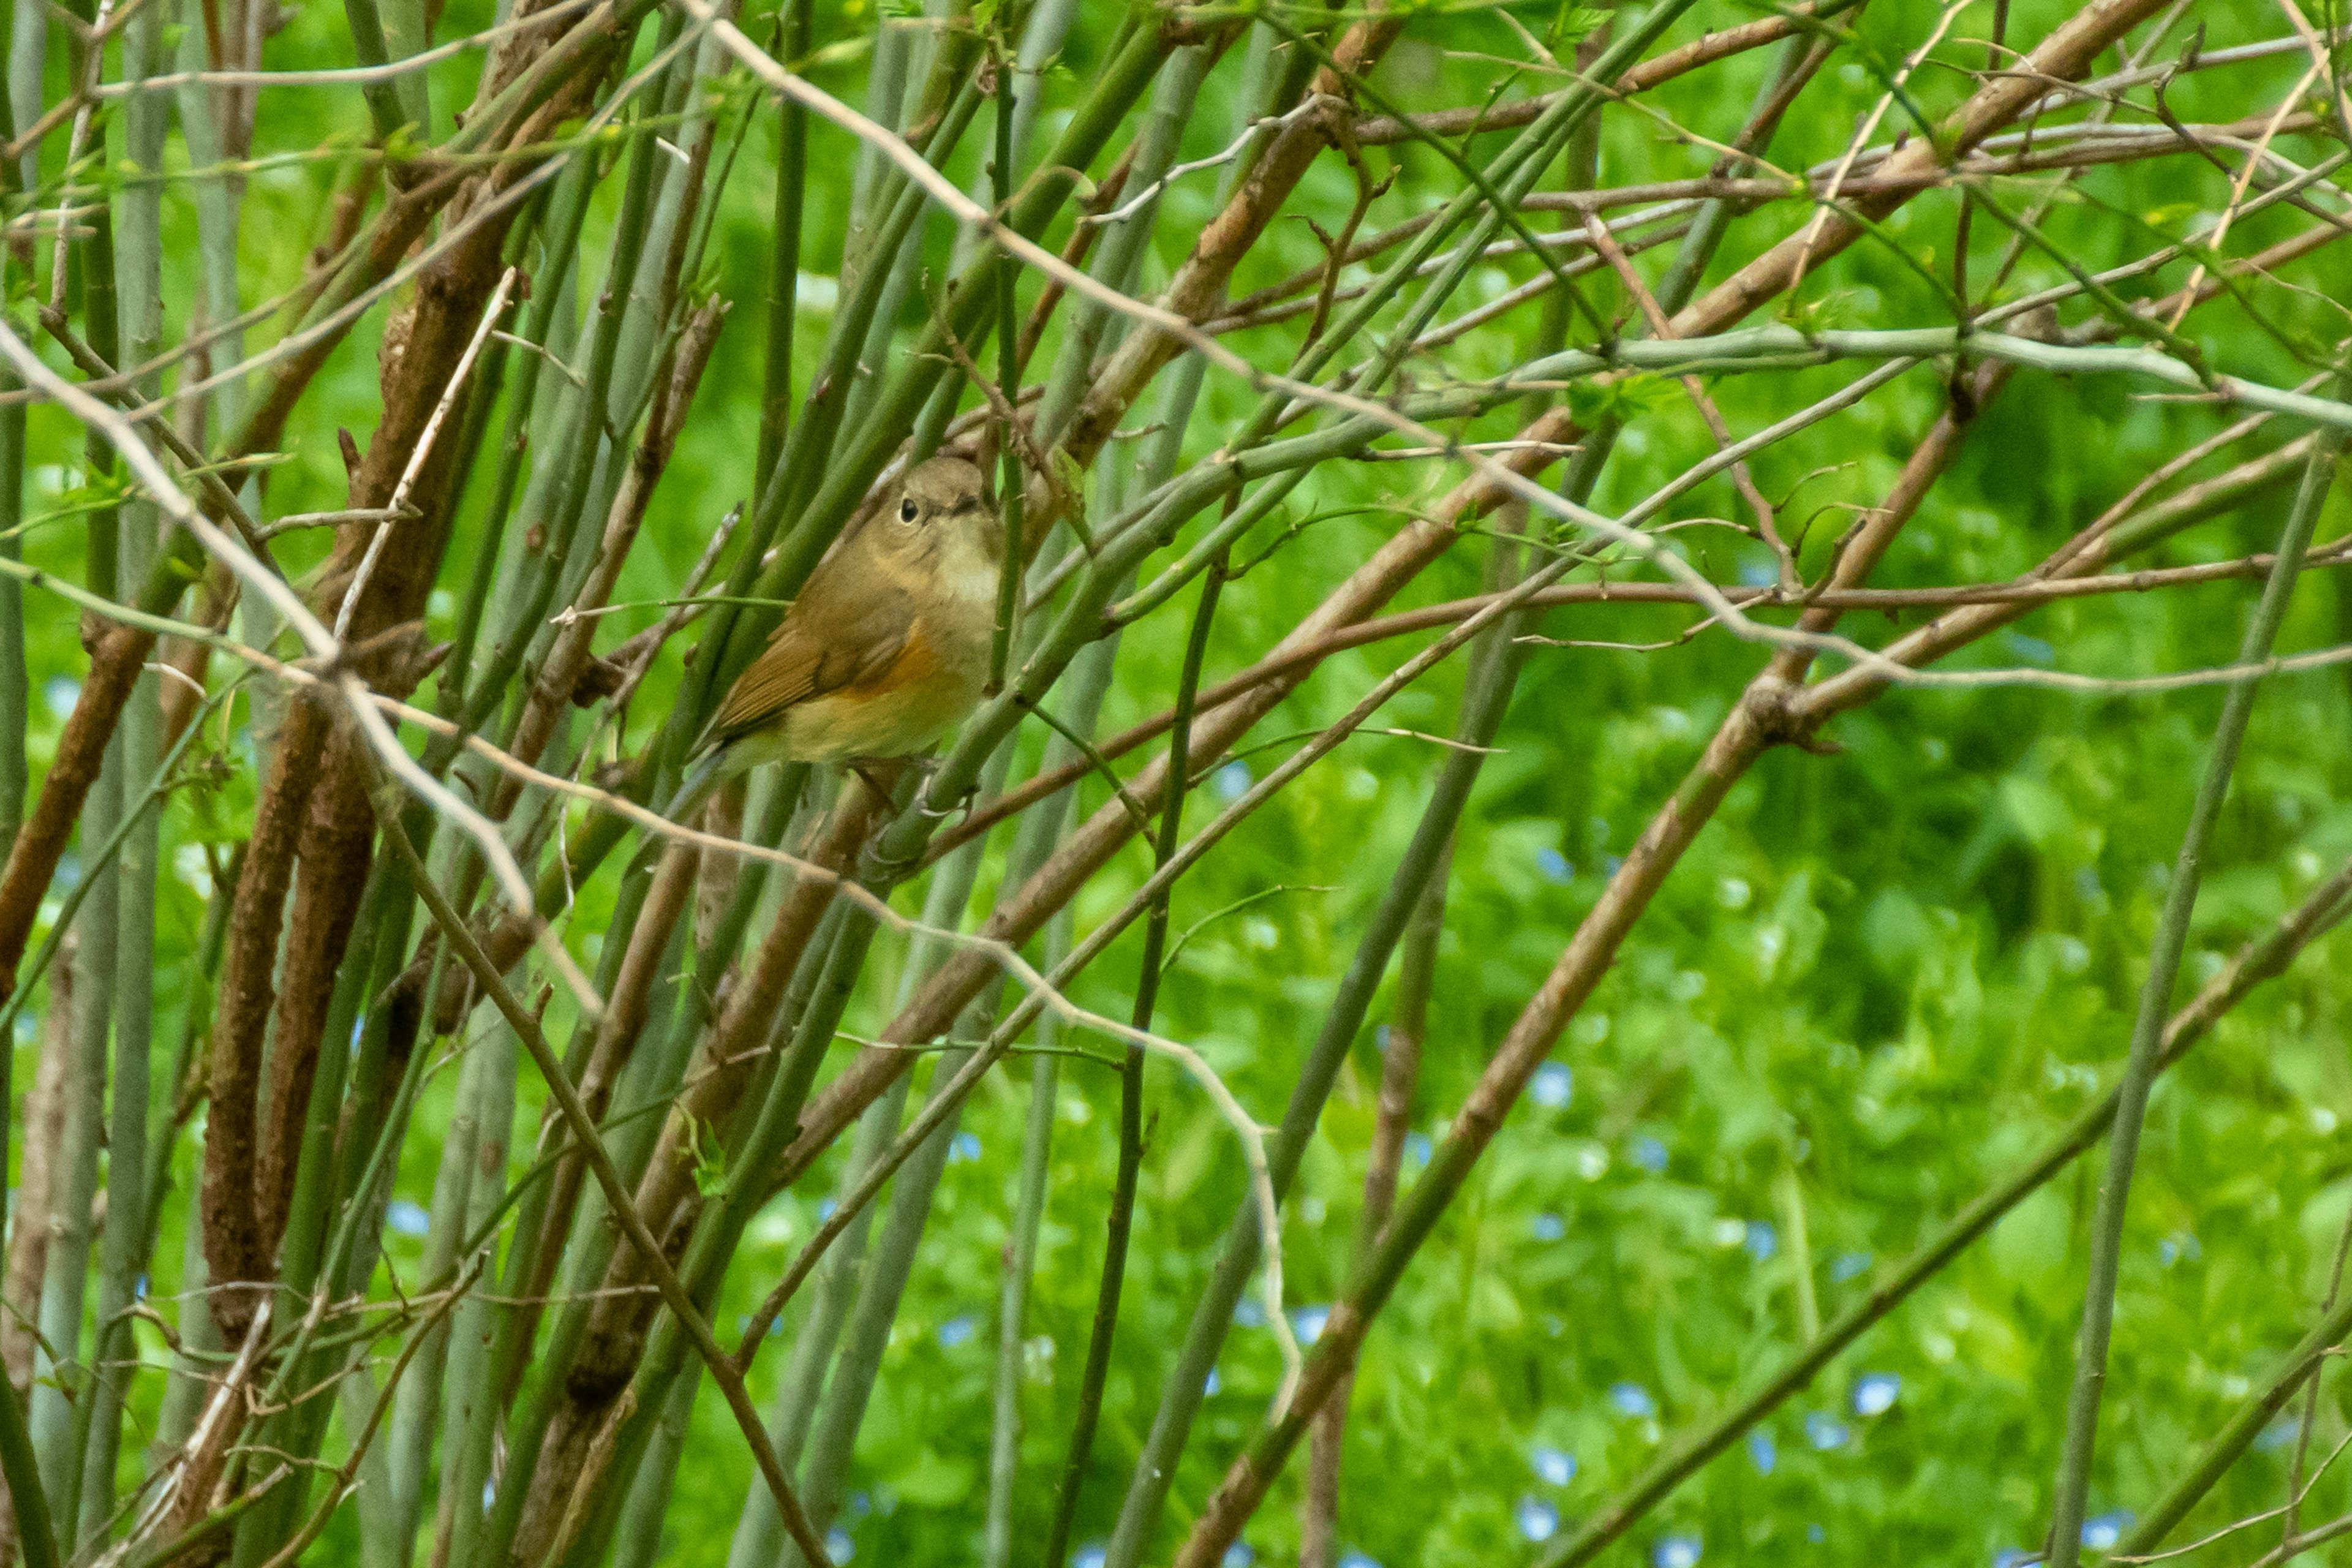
x: 2269, y: 470
x: 614, y: 1341
x: 425, y: 342
x: 643, y: 1243
x: 2064, y: 56
x: 626, y: 1010
x: 237, y: 1247
x: 568, y: 655
x: 42, y: 1134
x: 1380, y: 130
x: 1751, y: 728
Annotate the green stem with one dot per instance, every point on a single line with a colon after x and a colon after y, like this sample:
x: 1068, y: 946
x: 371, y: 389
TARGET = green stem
x: 1010, y: 480
x: 1483, y: 706
x: 23, y: 1475
x: 785, y: 218
x: 616, y: 1193
x: 1121, y: 1218
x: 2171, y: 940
x: 758, y: 1534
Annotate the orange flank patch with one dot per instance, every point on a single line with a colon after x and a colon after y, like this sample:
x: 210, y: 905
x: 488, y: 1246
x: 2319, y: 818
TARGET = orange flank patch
x: 917, y: 666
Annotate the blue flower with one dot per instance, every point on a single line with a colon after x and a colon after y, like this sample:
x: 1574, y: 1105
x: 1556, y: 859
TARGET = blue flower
x: 838, y: 1546
x: 1875, y: 1394
x: 1231, y: 782
x: 1676, y: 1551
x: 1554, y: 866
x: 1418, y: 1148
x: 1554, y: 1466
x: 1762, y: 1454
x: 1535, y: 1518
x: 1308, y: 1322
x: 1547, y: 1227
x: 1762, y: 1241
x: 1823, y: 1431
x: 1552, y: 1085
x: 964, y: 1148
x: 1239, y: 1555
x: 1848, y: 1265
x: 1648, y: 1153
x: 405, y: 1218
x: 956, y: 1332
x: 1632, y: 1399
x: 2100, y: 1534
x: 2032, y: 650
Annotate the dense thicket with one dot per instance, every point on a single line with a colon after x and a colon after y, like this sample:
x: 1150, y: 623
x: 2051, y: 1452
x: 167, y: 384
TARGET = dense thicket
x: 1662, y: 660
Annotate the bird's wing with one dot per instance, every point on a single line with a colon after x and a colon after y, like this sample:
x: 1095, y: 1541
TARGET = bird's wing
x: 866, y: 626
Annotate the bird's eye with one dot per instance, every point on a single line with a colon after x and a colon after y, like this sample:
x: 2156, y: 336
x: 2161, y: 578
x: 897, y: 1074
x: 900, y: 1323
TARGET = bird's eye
x: 908, y: 509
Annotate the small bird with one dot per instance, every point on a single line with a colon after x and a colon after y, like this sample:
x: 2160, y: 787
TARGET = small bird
x: 885, y: 649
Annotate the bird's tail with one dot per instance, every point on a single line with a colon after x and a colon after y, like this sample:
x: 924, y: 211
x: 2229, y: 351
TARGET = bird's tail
x: 702, y: 780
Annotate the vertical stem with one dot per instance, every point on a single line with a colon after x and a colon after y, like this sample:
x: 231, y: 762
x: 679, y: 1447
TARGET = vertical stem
x: 638, y: 1537
x: 56, y: 1429
x: 877, y: 1307
x: 2147, y: 1029
x: 28, y: 59
x: 23, y: 1477
x: 14, y: 683
x: 1483, y: 704
x: 1318, y: 1533
x: 1801, y: 1252
x: 1088, y: 682
x: 2290, y: 1521
x: 57, y: 1421
x: 856, y: 1298
x: 759, y: 1531
x: 138, y: 267
x: 470, y: 1402
x: 369, y: 47
x: 551, y: 313
x: 417, y: 1405
x: 785, y: 262
x: 1008, y: 353
x: 1130, y: 1079
x: 1020, y: 1268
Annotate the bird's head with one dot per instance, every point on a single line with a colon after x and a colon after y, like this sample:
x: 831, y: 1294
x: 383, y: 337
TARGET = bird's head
x: 941, y: 501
